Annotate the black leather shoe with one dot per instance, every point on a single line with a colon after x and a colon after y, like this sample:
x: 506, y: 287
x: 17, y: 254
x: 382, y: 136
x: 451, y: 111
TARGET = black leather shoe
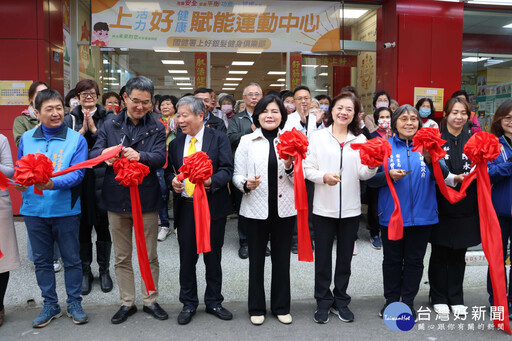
x: 220, y: 312
x: 123, y: 313
x: 243, y: 252
x: 157, y: 311
x: 185, y: 316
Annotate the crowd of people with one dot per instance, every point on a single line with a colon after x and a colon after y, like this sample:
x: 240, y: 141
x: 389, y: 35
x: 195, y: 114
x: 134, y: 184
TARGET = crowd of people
x: 248, y: 177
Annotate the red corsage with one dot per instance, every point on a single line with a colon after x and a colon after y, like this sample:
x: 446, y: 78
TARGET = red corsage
x: 429, y: 139
x: 33, y: 169
x: 292, y: 143
x: 373, y: 152
x: 130, y: 173
x: 482, y: 146
x: 196, y: 167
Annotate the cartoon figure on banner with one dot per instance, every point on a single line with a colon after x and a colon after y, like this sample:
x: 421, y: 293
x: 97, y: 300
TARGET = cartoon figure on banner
x: 100, y: 34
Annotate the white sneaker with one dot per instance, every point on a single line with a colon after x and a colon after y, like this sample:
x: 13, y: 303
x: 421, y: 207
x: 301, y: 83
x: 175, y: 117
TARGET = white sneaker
x: 258, y: 320
x: 57, y: 266
x: 285, y: 319
x: 459, y: 310
x: 163, y: 233
x: 441, y: 309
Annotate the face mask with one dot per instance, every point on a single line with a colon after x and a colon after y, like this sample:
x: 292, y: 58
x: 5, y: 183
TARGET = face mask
x: 290, y: 106
x: 381, y: 105
x: 157, y: 110
x: 73, y: 103
x: 324, y: 107
x: 425, y: 112
x: 32, y: 111
x: 384, y: 123
x: 226, y: 108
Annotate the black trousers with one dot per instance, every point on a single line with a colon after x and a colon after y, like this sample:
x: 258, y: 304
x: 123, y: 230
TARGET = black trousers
x: 446, y: 275
x: 372, y: 195
x: 280, y: 232
x: 506, y: 236
x: 188, y: 259
x: 101, y: 227
x: 346, y: 233
x: 236, y: 197
x: 402, y: 267
x: 4, y: 279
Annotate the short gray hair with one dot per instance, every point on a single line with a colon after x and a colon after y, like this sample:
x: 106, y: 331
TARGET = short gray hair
x: 401, y: 110
x: 140, y: 83
x: 252, y: 84
x: 196, y: 105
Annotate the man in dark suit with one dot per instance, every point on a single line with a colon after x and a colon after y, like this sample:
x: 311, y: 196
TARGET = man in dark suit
x: 197, y: 137
x: 210, y: 120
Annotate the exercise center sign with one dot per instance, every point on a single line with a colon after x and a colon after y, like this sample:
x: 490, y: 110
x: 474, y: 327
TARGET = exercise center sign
x: 217, y: 26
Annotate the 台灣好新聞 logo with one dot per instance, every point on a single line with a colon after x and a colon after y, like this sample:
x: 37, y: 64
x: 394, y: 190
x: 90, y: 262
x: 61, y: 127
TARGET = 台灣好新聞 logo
x: 398, y: 316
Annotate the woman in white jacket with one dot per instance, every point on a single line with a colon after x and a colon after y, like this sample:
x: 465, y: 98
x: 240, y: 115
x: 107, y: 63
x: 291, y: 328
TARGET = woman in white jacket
x: 268, y: 208
x: 336, y: 169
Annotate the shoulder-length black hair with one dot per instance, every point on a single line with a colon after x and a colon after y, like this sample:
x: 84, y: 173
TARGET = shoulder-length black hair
x: 354, y: 127
x: 380, y: 93
x: 262, y: 105
x: 432, y: 109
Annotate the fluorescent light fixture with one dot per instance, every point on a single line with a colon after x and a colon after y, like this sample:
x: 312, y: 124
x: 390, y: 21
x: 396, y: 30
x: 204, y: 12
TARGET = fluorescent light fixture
x: 181, y: 78
x: 105, y: 61
x: 234, y: 79
x: 249, y: 51
x: 228, y: 89
x: 164, y: 50
x: 321, y: 90
x: 186, y: 88
x: 352, y: 13
x: 242, y: 63
x: 231, y: 84
x: 237, y: 72
x: 119, y: 71
x: 473, y: 59
x: 115, y: 84
x: 323, y: 74
x: 107, y: 49
x: 177, y: 71
x: 324, y: 65
x: 173, y: 62
x: 276, y: 73
x: 124, y: 49
x: 281, y: 80
x: 508, y: 26
x: 278, y: 85
x: 309, y: 65
x: 183, y: 84
x: 109, y: 78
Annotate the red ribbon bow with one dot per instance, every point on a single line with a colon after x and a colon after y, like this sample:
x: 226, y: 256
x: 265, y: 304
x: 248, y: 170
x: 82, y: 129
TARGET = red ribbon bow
x: 131, y: 174
x: 197, y: 168
x: 33, y: 169
x: 482, y: 148
x: 295, y: 144
x: 373, y: 153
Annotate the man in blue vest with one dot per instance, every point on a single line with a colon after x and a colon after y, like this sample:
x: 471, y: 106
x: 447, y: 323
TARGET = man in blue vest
x: 55, y: 215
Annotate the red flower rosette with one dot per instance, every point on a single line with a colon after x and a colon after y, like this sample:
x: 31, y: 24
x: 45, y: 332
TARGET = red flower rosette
x: 373, y: 153
x: 482, y: 148
x: 131, y: 174
x: 197, y: 168
x: 295, y: 144
x: 33, y: 169
x: 430, y: 139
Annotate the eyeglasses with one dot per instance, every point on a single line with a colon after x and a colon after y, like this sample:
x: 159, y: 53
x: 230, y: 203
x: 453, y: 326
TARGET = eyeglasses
x: 305, y: 98
x: 88, y: 94
x: 137, y: 101
x: 404, y: 119
x: 253, y: 94
x: 507, y: 119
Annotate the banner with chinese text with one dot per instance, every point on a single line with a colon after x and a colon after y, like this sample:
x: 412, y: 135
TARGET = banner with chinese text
x: 217, y: 26
x: 200, y: 69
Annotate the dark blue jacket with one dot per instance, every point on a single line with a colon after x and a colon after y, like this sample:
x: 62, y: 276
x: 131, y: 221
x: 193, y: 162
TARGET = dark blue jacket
x: 150, y: 143
x: 500, y: 172
x: 416, y: 191
x: 216, y: 145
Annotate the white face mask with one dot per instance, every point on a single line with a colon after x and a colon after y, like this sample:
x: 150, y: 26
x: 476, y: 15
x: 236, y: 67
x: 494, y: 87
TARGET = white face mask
x: 384, y: 123
x: 73, y: 103
x: 291, y: 106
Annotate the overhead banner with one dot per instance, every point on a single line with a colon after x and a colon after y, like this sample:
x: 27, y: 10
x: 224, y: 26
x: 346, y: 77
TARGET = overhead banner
x: 217, y: 26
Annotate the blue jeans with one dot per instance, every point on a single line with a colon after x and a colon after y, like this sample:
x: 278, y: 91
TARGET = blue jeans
x: 30, y: 256
x: 43, y: 233
x: 163, y: 212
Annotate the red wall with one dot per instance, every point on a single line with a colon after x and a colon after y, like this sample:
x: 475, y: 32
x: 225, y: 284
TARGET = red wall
x: 30, y: 34
x: 428, y: 35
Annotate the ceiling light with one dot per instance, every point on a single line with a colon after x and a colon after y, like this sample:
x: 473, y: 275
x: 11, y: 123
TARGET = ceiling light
x: 231, y: 84
x: 281, y: 80
x: 276, y: 73
x: 115, y: 84
x: 307, y: 65
x: 181, y: 78
x: 323, y: 74
x: 186, y: 88
x: 242, y: 63
x: 352, y: 13
x: 109, y: 78
x: 508, y: 26
x: 164, y: 50
x: 324, y: 65
x: 183, y: 84
x: 124, y: 49
x: 234, y: 79
x: 473, y: 59
x: 177, y: 71
x: 105, y: 61
x: 321, y: 90
x: 278, y: 85
x: 173, y: 62
x: 248, y: 52
x: 228, y: 89
x: 237, y: 72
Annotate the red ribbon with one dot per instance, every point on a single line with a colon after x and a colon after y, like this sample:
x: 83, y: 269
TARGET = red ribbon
x: 92, y: 162
x: 373, y: 153
x: 295, y: 144
x: 481, y: 149
x: 131, y: 174
x: 197, y: 168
